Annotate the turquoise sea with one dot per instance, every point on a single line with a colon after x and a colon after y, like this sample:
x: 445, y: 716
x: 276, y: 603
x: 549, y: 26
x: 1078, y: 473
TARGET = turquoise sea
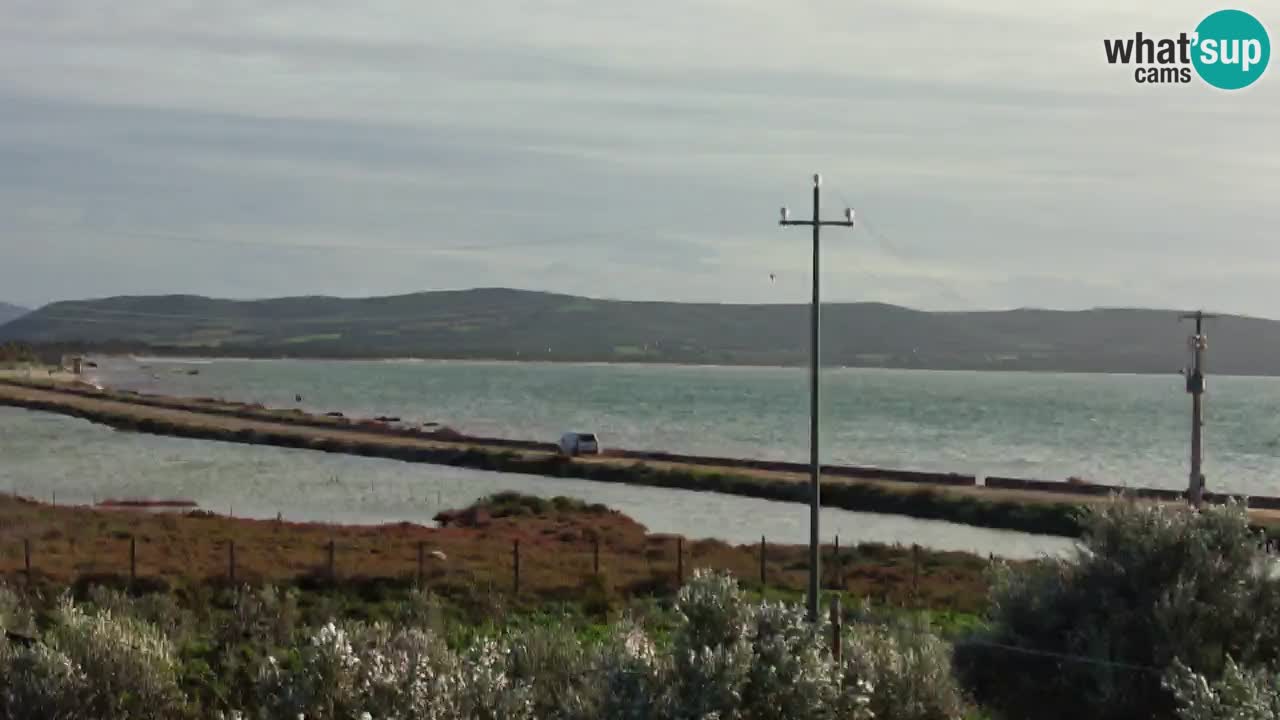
x: 1122, y: 429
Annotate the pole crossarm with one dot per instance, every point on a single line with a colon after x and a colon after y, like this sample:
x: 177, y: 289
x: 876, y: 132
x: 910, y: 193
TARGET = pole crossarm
x: 824, y: 223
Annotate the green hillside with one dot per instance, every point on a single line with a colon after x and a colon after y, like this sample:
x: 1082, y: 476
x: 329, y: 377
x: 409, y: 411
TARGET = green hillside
x: 511, y: 324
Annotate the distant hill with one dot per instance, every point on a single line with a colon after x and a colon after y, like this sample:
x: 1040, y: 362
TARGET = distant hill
x: 521, y: 325
x: 11, y: 312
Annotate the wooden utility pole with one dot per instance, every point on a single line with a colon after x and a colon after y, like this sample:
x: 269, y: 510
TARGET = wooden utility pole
x: 1198, y: 344
x: 814, y: 333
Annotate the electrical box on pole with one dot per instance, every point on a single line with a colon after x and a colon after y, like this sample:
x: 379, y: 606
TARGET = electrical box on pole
x: 1195, y: 368
x: 1195, y: 375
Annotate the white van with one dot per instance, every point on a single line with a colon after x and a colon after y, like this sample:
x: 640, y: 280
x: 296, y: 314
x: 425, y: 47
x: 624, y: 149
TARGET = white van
x: 572, y: 443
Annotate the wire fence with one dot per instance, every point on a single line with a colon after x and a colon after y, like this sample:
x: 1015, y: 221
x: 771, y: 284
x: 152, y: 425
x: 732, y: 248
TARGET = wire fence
x: 427, y: 569
x: 520, y: 565
x: 49, y: 544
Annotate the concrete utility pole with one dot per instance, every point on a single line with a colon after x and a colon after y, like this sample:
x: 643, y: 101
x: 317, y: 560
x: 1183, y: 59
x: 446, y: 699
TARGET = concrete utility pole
x: 814, y: 330
x: 1197, y: 343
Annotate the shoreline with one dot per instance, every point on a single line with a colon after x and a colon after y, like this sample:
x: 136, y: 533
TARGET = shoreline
x: 269, y: 355
x: 1034, y: 507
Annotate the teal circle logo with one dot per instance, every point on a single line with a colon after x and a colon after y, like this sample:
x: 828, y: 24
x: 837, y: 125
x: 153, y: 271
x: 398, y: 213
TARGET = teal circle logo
x: 1231, y: 50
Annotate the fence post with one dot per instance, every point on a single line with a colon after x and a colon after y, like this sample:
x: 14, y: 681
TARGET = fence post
x: 915, y: 572
x: 680, y: 561
x: 763, y: 546
x: 836, y: 621
x: 515, y: 566
x: 231, y: 562
x: 133, y: 561
x: 839, y: 565
x: 595, y: 564
x: 420, y: 550
x: 332, y: 552
x: 26, y: 555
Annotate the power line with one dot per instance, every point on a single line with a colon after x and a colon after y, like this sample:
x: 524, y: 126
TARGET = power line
x: 907, y: 257
x: 1080, y: 659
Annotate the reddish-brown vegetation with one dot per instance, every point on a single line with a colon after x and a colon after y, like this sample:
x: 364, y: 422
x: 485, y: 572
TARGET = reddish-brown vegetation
x: 557, y: 547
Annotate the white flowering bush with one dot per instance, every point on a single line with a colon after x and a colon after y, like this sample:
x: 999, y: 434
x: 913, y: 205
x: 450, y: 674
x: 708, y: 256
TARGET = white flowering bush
x: 268, y: 616
x: 39, y: 683
x: 901, y: 672
x: 792, y: 676
x: 346, y: 670
x: 407, y: 674
x: 727, y: 658
x: 318, y: 680
x: 157, y: 609
x: 92, y: 665
x: 556, y: 668
x: 633, y: 675
x: 15, y: 613
x: 711, y: 649
x: 731, y: 659
x: 488, y: 691
x: 1151, y: 584
x: 420, y: 609
x: 1240, y: 694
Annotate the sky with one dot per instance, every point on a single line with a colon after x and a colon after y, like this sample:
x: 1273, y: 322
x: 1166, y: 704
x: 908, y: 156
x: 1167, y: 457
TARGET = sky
x: 260, y: 148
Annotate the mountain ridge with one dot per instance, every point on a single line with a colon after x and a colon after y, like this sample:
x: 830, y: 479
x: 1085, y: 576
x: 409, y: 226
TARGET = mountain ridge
x: 10, y: 312
x: 507, y: 324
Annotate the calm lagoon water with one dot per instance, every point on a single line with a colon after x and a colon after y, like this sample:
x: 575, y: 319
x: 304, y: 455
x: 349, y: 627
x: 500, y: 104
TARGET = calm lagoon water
x: 43, y: 455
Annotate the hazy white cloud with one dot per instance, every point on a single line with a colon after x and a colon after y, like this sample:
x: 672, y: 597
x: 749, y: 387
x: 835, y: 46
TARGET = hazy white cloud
x: 253, y: 148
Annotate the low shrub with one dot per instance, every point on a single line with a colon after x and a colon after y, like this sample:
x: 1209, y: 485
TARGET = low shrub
x: 91, y: 665
x: 907, y: 670
x: 1090, y: 635
x: 717, y: 653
